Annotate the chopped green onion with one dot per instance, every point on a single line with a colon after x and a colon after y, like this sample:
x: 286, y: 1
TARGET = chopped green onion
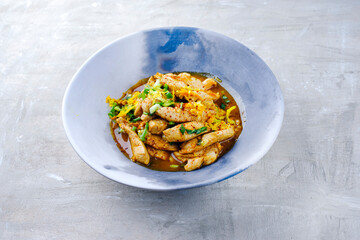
x: 196, y: 131
x: 134, y: 128
x: 174, y: 166
x: 171, y: 123
x: 222, y: 106
x: 136, y: 119
x: 143, y: 134
x: 166, y: 87
x: 128, y: 96
x: 224, y: 97
x: 227, y: 101
x: 117, y: 108
x: 169, y: 95
x: 168, y: 104
x: 181, y: 105
x: 157, y: 84
x: 146, y: 113
x: 121, y: 130
x: 154, y: 108
x: 182, y: 129
x: 199, y: 142
x: 142, y: 95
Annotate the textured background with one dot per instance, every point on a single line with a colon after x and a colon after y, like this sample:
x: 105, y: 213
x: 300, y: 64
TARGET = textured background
x: 306, y: 187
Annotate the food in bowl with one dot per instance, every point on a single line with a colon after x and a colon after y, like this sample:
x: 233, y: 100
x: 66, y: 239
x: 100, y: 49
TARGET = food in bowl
x: 175, y: 121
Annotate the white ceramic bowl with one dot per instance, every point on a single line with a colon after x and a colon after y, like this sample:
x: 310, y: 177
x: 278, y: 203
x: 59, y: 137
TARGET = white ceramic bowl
x: 119, y: 65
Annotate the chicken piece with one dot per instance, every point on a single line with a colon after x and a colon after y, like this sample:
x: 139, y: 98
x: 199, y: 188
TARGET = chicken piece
x: 211, y: 153
x: 138, y: 110
x: 177, y: 83
x: 209, y: 83
x: 175, y: 135
x: 157, y: 126
x: 146, y: 104
x: 157, y: 142
x: 206, y: 140
x: 146, y: 118
x: 159, y: 154
x: 151, y: 81
x: 193, y: 163
x: 175, y: 114
x: 139, y: 151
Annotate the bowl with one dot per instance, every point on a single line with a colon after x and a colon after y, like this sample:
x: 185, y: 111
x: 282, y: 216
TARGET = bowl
x: 119, y: 65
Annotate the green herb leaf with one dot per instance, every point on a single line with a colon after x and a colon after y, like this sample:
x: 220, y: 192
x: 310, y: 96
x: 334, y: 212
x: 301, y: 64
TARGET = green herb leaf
x: 171, y: 123
x: 227, y: 101
x: 174, y: 166
x: 224, y: 97
x: 222, y: 106
x: 181, y: 105
x: 199, y: 142
x: 169, y: 95
x: 182, y: 129
x: 134, y: 128
x: 166, y: 87
x: 146, y: 113
x: 135, y: 119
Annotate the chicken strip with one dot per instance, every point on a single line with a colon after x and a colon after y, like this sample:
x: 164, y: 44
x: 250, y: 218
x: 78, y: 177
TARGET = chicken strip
x: 139, y: 151
x: 146, y: 104
x: 159, y: 154
x: 209, y: 83
x: 206, y: 140
x: 175, y: 114
x: 193, y: 163
x: 177, y: 83
x: 157, y: 142
x: 157, y: 126
x: 138, y: 110
x: 209, y: 154
x: 175, y: 135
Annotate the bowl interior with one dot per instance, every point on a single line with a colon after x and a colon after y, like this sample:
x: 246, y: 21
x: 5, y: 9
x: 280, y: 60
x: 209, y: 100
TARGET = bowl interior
x: 116, y: 67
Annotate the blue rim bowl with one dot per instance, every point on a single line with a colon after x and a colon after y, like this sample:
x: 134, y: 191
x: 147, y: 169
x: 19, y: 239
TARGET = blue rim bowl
x: 119, y: 65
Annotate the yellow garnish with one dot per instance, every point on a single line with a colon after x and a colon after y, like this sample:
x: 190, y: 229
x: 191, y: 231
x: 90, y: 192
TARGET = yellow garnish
x: 228, y: 114
x: 110, y: 101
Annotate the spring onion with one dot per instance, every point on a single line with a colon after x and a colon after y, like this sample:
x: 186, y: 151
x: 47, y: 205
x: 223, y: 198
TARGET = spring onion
x: 174, y: 166
x: 222, y: 106
x: 143, y: 134
x: 171, y: 123
x: 166, y: 87
x: 169, y: 95
x: 134, y: 128
x: 181, y: 105
x: 227, y: 101
x: 196, y: 131
x: 136, y: 119
x: 154, y: 108
x: 224, y: 97
x: 157, y: 84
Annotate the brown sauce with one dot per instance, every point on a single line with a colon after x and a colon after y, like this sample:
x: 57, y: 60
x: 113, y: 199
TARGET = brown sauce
x: 123, y: 143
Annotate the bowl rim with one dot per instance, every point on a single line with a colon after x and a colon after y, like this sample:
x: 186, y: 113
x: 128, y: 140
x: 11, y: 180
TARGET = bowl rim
x: 264, y: 150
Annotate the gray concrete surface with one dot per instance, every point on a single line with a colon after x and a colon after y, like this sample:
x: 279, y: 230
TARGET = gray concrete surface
x: 306, y: 187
